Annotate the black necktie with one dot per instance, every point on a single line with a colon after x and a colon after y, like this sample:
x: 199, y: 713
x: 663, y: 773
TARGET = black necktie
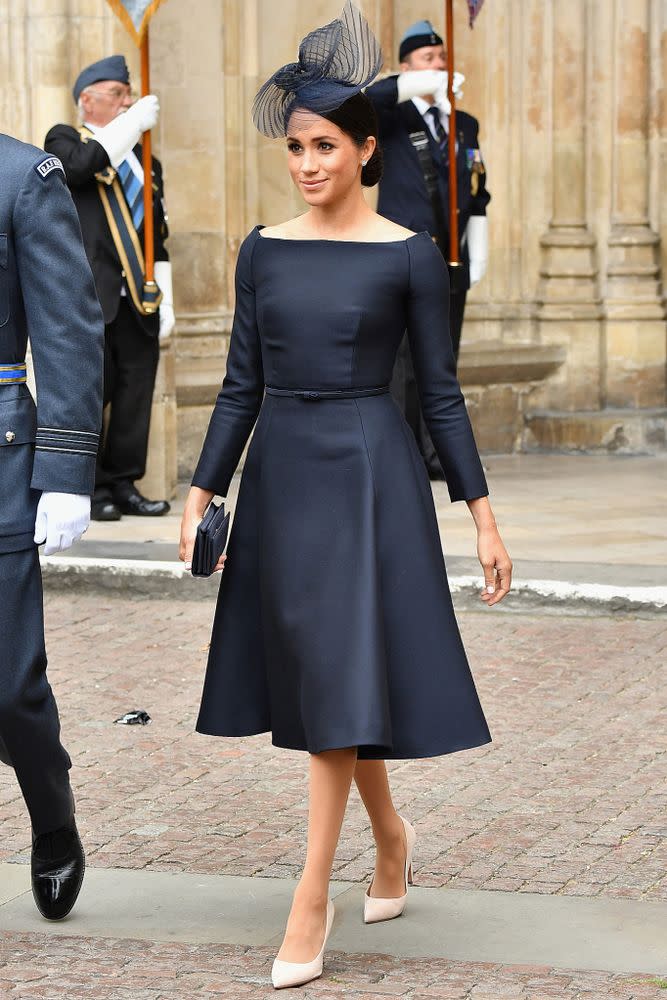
x: 440, y: 134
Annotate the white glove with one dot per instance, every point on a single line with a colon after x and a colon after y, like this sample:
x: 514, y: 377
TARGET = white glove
x: 61, y: 520
x: 163, y: 278
x: 418, y: 82
x: 122, y: 134
x: 440, y: 94
x: 477, y: 235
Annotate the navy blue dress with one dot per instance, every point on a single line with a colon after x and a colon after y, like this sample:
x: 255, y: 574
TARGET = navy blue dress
x: 334, y: 624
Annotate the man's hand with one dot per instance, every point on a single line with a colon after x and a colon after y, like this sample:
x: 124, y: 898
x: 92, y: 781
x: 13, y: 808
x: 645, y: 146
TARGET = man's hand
x: 477, y: 235
x: 419, y: 82
x: 122, y: 134
x: 61, y: 520
x: 440, y: 94
x: 145, y: 111
x: 167, y: 318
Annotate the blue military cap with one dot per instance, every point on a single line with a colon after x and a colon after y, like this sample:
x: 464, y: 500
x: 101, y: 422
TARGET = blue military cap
x: 110, y: 68
x: 418, y: 35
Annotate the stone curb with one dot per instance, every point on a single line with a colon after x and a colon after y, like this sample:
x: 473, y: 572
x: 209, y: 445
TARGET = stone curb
x: 464, y: 925
x: 146, y: 578
x: 560, y: 595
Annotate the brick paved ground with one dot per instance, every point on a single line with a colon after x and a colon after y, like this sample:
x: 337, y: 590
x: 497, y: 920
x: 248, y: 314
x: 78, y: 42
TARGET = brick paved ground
x: 38, y: 968
x: 570, y: 798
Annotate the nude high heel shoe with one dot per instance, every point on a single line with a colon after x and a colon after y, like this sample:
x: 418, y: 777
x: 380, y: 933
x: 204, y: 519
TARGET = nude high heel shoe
x: 285, y: 974
x: 376, y: 909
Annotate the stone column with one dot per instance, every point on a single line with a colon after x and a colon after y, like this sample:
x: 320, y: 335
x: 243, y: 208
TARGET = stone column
x: 161, y: 479
x: 34, y: 68
x: 14, y: 94
x: 206, y: 73
x: 387, y: 33
x: 568, y: 301
x: 635, y: 335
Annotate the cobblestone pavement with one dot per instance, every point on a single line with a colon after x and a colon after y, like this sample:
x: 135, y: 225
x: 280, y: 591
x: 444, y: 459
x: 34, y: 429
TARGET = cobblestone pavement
x: 39, y: 968
x: 570, y: 797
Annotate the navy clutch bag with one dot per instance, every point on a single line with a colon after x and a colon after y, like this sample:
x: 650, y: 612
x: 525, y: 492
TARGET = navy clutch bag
x: 211, y: 540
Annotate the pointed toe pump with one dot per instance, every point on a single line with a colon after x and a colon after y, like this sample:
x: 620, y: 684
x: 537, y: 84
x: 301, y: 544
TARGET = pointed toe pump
x: 284, y: 974
x: 376, y: 909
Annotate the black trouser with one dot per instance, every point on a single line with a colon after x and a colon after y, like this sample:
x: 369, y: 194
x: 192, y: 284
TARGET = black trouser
x: 404, y: 384
x: 29, y: 724
x: 131, y: 358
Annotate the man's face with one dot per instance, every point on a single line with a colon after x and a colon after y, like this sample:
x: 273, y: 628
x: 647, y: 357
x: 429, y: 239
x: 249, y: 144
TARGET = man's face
x: 428, y: 57
x: 105, y: 100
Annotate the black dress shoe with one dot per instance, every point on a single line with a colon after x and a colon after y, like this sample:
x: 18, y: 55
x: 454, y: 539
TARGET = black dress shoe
x: 132, y: 502
x: 104, y: 510
x: 57, y: 866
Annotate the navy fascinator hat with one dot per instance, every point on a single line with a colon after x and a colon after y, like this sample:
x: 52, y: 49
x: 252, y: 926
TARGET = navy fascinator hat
x: 335, y: 62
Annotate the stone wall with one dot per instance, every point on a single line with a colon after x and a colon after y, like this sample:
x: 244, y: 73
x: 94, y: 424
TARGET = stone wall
x: 570, y: 97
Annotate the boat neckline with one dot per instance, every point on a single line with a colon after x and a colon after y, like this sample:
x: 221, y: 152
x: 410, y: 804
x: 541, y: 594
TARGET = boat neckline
x: 321, y: 239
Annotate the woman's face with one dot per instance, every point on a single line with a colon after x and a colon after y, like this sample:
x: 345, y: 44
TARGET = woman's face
x: 324, y: 162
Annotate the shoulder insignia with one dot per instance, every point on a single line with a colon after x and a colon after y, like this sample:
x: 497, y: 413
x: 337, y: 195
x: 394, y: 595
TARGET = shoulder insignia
x: 47, y: 167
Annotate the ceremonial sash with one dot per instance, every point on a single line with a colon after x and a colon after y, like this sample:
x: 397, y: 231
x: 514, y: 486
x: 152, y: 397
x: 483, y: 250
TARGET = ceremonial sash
x: 421, y: 147
x: 146, y: 296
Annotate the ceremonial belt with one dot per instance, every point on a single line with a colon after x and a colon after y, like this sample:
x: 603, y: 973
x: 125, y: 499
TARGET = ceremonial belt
x: 312, y: 395
x: 422, y: 148
x: 9, y: 374
x: 146, y: 296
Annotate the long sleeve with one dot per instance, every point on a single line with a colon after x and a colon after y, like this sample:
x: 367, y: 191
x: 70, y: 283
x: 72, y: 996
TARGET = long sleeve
x: 384, y: 97
x: 66, y: 332
x: 240, y: 398
x: 441, y: 398
x: 160, y: 227
x: 81, y: 160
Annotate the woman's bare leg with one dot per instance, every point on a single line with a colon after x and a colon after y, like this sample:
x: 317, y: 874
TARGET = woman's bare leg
x: 373, y: 783
x: 331, y: 775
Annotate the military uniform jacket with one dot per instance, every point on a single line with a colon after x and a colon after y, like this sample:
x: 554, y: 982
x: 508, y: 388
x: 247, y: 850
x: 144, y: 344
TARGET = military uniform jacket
x: 46, y: 294
x: 82, y: 160
x: 403, y: 197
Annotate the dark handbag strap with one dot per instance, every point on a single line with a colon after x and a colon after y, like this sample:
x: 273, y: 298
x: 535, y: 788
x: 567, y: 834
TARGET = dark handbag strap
x: 422, y: 148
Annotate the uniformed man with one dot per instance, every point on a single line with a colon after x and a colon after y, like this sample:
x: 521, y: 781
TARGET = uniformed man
x: 103, y: 165
x: 47, y: 473
x: 413, y: 113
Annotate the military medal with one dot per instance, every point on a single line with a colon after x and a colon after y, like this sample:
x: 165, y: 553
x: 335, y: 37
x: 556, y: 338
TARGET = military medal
x: 476, y: 168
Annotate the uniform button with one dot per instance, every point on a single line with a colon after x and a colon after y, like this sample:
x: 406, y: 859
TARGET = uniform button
x: 123, y: 274
x: 9, y: 436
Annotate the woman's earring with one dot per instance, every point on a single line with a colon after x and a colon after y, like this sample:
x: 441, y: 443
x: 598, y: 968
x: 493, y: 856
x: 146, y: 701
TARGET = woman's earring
x: 364, y: 162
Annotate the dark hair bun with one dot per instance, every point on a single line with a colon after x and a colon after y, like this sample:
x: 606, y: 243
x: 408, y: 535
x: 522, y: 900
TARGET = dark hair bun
x: 372, y: 172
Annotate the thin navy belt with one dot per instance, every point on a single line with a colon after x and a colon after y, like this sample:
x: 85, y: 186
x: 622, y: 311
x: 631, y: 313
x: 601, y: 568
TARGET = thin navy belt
x: 315, y: 394
x: 13, y: 373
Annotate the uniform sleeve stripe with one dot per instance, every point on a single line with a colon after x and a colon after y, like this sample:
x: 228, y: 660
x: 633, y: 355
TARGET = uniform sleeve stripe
x: 66, y: 439
x: 66, y: 430
x: 69, y: 451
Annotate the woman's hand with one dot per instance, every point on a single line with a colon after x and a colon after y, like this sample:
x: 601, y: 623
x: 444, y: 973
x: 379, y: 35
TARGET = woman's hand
x: 491, y: 552
x: 195, y: 507
x: 496, y: 564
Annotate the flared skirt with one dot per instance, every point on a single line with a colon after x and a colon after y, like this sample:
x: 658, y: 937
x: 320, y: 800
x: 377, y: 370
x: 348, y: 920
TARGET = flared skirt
x: 334, y: 624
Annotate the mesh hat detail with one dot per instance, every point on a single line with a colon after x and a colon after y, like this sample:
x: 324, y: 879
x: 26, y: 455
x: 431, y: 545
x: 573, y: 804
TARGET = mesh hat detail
x: 335, y: 62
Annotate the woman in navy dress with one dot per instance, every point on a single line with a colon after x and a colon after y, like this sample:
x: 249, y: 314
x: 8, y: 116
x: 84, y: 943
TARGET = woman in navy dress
x: 334, y: 628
